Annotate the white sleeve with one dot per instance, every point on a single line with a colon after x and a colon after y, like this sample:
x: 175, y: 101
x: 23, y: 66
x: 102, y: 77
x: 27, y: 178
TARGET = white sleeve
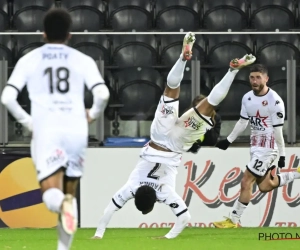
x: 181, y: 222
x: 180, y: 209
x: 279, y: 140
x: 277, y: 113
x: 118, y: 201
x: 277, y: 116
x: 101, y: 97
x: 243, y: 112
x: 92, y: 75
x: 239, y: 127
x: 18, y: 77
x: 108, y: 213
x: 95, y: 83
x: 9, y: 99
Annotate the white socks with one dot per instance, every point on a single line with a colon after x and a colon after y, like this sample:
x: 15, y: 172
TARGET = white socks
x: 220, y: 91
x: 53, y: 198
x: 64, y: 239
x: 286, y: 178
x: 237, y: 211
x: 176, y: 74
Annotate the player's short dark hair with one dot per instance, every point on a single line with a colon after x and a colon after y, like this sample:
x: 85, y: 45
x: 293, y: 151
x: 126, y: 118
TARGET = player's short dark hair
x: 144, y: 198
x: 57, y: 25
x: 259, y: 68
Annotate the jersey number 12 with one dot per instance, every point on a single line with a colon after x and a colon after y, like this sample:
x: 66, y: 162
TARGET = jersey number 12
x: 62, y: 76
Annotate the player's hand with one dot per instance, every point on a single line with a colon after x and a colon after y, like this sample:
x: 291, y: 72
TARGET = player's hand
x: 89, y: 119
x: 195, y: 147
x: 159, y: 238
x: 223, y: 144
x: 281, y: 162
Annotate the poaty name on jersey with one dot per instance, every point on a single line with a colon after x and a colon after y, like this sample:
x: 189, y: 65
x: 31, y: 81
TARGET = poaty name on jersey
x: 57, y: 55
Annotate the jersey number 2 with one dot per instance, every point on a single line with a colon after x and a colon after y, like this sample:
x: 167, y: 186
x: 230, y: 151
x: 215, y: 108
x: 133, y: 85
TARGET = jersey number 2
x: 151, y: 174
x: 62, y: 75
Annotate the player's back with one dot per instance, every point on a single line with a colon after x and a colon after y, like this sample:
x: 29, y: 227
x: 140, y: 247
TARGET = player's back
x: 155, y: 175
x: 55, y: 76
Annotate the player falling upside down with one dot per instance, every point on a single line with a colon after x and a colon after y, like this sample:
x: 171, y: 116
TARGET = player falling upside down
x: 55, y: 75
x: 264, y: 108
x: 153, y: 179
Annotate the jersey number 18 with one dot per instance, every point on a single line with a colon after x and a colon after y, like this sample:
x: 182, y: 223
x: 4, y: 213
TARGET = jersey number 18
x: 62, y: 76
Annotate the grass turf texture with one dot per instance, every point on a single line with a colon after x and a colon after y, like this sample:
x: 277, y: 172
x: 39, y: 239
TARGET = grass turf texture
x: 140, y: 239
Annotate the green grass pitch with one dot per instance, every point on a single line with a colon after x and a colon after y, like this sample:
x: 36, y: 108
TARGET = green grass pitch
x: 141, y: 239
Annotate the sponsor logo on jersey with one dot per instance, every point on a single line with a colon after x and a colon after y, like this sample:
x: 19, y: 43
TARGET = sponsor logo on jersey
x: 57, y: 157
x: 167, y: 110
x: 277, y: 102
x: 174, y: 205
x: 280, y: 115
x: 265, y: 103
x: 192, y: 122
x: 258, y: 122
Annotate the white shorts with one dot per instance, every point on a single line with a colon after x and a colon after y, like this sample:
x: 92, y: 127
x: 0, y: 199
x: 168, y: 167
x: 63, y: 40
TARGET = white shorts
x: 261, y: 160
x: 55, y: 150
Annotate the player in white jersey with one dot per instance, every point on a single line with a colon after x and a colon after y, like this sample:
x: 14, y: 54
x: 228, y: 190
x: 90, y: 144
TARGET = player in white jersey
x: 265, y: 111
x: 153, y: 179
x: 147, y: 184
x: 55, y: 75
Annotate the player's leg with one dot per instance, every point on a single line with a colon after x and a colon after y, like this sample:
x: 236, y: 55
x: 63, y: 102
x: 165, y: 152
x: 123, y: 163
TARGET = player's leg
x: 166, y: 114
x: 219, y: 92
x: 51, y: 187
x: 49, y: 159
x: 75, y: 144
x: 175, y: 76
x: 69, y: 209
x: 270, y: 182
x: 240, y: 204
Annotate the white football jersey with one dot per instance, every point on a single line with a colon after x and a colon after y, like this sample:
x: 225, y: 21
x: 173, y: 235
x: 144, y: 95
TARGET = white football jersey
x: 177, y: 134
x: 264, y: 113
x: 55, y: 75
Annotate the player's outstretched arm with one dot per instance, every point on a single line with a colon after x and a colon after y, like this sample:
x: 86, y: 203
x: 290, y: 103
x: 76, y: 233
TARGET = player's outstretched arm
x: 118, y: 201
x: 9, y: 99
x: 180, y: 209
x: 239, y: 127
x: 105, y: 219
x: 181, y: 222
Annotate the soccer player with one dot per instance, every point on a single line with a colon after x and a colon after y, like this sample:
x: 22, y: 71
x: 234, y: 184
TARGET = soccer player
x: 153, y: 178
x: 55, y: 75
x: 264, y: 108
